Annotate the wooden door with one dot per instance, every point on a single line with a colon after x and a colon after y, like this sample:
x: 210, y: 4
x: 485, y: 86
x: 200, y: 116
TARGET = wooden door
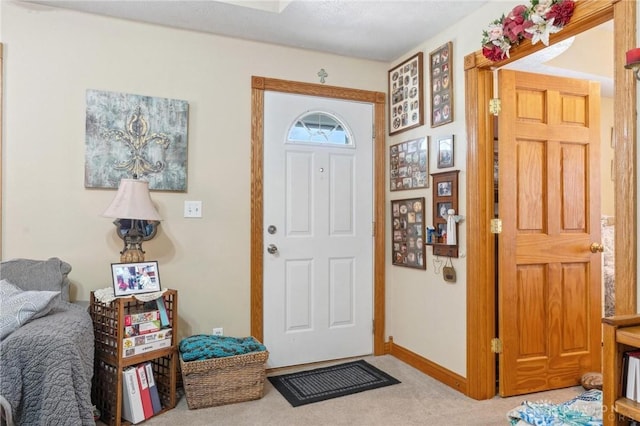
x: 549, y: 287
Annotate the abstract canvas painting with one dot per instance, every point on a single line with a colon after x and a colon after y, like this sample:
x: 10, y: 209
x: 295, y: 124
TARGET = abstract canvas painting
x: 135, y: 136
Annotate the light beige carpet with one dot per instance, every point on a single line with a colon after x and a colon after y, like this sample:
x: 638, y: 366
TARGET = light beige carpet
x: 418, y: 400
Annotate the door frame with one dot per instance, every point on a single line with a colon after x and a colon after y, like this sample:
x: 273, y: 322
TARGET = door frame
x: 481, y: 256
x: 258, y: 86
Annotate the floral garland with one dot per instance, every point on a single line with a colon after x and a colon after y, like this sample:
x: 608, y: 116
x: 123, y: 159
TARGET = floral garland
x: 533, y: 23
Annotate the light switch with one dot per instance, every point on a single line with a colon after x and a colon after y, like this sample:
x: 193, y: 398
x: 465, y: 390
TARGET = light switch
x: 193, y: 209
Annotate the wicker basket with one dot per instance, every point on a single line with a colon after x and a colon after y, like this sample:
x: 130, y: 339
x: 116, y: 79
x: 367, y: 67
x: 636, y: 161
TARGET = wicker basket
x: 220, y: 381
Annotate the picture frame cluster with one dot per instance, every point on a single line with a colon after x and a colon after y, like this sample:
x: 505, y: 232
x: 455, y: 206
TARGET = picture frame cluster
x: 409, y: 160
x: 408, y: 233
x: 409, y: 164
x: 406, y: 98
x: 441, y: 72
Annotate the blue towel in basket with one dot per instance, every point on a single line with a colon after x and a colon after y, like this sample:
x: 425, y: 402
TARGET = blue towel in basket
x: 205, y: 346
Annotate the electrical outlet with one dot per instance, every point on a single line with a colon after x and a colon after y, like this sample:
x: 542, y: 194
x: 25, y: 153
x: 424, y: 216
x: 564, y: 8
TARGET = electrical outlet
x: 217, y: 331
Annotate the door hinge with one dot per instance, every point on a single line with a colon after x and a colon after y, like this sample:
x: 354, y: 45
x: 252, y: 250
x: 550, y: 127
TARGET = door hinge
x: 373, y: 326
x: 373, y: 229
x: 494, y: 106
x: 496, y: 345
x: 496, y: 226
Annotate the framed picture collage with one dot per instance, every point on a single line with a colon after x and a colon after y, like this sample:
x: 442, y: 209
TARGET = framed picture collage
x: 409, y: 159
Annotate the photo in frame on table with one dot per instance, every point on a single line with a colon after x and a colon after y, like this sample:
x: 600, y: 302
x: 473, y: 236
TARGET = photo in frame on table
x: 445, y: 151
x: 406, y: 98
x: 135, y: 278
x: 409, y: 164
x: 407, y: 245
x: 441, y: 72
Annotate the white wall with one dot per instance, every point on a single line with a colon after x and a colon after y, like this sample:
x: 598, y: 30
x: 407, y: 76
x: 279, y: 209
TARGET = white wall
x: 51, y: 58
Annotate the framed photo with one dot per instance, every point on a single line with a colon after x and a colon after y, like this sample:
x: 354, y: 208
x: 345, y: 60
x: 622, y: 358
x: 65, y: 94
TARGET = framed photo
x: 444, y: 189
x: 445, y: 151
x: 406, y: 99
x: 441, y: 72
x: 409, y: 164
x: 135, y: 278
x: 407, y: 245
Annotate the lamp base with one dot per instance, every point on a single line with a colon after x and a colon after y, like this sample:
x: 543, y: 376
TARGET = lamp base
x: 132, y: 256
x: 132, y: 251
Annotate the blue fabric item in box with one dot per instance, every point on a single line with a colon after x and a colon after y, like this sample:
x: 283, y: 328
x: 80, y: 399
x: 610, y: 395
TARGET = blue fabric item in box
x: 205, y: 346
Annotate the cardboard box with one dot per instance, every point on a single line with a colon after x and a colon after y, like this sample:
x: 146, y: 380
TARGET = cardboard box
x: 137, y: 350
x: 140, y: 317
x: 144, y: 339
x: 142, y: 328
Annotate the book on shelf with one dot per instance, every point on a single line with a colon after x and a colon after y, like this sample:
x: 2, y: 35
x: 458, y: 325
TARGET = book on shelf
x: 153, y: 346
x: 162, y: 308
x: 631, y: 375
x: 132, y: 410
x: 153, y: 389
x: 145, y: 396
x: 624, y: 369
x: 133, y: 318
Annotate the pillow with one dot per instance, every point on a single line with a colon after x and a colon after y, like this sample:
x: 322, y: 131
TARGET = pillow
x: 18, y: 307
x: 30, y: 274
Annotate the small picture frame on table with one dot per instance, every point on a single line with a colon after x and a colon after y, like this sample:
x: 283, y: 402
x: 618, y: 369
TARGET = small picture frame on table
x: 406, y: 99
x: 135, y: 278
x: 407, y: 223
x: 441, y: 72
x: 445, y: 151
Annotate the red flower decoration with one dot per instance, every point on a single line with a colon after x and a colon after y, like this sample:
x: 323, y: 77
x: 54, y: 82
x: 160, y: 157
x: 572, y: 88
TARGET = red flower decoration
x: 493, y: 53
x: 533, y: 22
x: 561, y: 12
x: 514, y: 24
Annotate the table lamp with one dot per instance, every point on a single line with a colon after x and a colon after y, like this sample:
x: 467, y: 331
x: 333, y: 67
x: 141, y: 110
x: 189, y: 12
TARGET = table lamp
x: 133, y: 202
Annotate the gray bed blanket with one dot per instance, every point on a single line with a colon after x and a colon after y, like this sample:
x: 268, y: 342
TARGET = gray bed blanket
x: 46, y: 368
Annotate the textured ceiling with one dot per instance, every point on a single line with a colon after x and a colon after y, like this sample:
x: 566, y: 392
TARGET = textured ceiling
x: 380, y: 30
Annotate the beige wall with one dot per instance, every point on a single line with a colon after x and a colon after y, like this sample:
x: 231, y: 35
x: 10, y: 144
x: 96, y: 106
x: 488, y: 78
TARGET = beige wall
x: 52, y: 57
x: 426, y: 314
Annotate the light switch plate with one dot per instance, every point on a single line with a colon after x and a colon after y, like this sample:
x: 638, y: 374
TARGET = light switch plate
x: 193, y: 209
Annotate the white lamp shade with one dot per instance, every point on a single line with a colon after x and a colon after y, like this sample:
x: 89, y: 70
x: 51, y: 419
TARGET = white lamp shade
x: 132, y: 201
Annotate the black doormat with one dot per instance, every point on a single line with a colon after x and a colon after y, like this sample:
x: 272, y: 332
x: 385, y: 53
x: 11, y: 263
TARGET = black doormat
x: 323, y: 383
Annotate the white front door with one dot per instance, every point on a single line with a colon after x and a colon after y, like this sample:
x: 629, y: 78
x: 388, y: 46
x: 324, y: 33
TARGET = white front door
x: 318, y: 214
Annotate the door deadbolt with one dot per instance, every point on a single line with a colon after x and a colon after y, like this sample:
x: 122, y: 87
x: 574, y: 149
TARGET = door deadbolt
x: 272, y: 229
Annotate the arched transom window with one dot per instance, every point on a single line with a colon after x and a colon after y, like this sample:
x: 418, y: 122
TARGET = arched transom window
x: 319, y: 127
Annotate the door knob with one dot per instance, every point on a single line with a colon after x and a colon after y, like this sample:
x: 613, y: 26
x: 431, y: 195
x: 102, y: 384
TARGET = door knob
x: 272, y: 249
x: 596, y: 248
